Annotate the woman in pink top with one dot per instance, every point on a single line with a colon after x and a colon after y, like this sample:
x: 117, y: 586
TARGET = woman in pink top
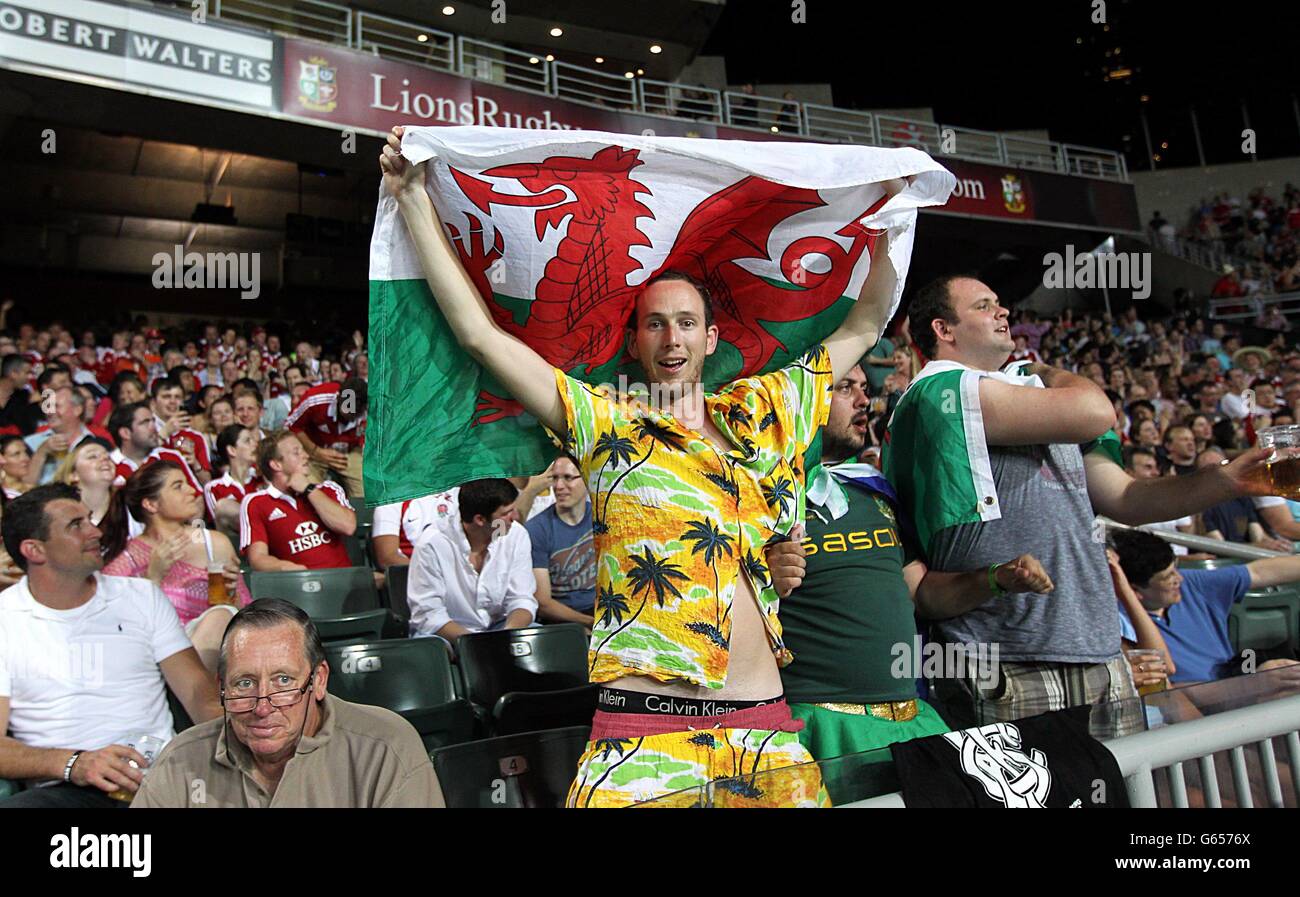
x: 174, y: 550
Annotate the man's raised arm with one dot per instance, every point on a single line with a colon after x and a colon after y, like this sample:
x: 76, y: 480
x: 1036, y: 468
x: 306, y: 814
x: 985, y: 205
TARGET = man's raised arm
x: 862, y: 326
x: 1070, y: 409
x: 524, y: 373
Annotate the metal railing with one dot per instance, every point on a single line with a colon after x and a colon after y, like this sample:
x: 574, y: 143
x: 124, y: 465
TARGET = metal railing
x: 751, y: 110
x: 403, y: 41
x: 485, y: 61
x: 680, y: 100
x: 1140, y: 755
x: 316, y: 19
x: 607, y: 90
x: 1253, y: 306
x: 840, y: 125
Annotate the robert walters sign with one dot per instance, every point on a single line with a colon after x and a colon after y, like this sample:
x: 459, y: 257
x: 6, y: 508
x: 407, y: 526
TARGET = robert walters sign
x: 134, y: 45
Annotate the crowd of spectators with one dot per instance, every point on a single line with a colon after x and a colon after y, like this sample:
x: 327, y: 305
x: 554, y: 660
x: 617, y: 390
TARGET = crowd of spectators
x: 1261, y: 232
x: 255, y: 439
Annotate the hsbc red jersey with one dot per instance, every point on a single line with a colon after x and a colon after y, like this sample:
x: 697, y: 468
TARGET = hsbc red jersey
x: 291, y: 528
x: 198, y: 441
x: 227, y: 487
x: 317, y: 416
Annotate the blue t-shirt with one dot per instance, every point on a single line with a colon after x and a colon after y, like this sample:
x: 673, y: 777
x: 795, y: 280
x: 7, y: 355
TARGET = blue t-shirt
x: 568, y: 553
x: 1196, y: 628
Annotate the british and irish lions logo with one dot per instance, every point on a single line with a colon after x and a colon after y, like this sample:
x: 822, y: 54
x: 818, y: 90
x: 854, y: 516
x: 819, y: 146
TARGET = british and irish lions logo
x: 318, y: 88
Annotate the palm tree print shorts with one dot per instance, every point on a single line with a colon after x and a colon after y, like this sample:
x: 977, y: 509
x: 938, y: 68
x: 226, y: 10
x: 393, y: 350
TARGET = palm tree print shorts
x: 746, y: 758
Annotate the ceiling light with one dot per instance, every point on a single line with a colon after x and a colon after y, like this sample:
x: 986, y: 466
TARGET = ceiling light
x: 550, y: 57
x: 640, y: 71
x: 448, y: 10
x: 599, y: 60
x: 422, y: 38
x: 533, y: 60
x: 655, y: 48
x: 557, y: 32
x: 628, y: 75
x: 775, y: 129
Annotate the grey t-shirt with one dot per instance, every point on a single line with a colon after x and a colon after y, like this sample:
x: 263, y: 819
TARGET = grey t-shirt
x: 1045, y: 512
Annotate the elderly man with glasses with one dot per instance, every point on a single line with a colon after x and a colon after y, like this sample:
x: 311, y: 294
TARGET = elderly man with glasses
x: 284, y: 741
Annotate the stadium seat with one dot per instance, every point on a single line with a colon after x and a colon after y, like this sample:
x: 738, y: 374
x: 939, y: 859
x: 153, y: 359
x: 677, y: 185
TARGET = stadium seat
x: 357, y: 553
x: 531, y: 711
x: 364, y: 625
x: 532, y: 770
x: 321, y: 593
x: 1281, y: 599
x: 396, y: 576
x: 412, y: 677
x: 9, y: 787
x: 538, y: 658
x: 1257, y: 630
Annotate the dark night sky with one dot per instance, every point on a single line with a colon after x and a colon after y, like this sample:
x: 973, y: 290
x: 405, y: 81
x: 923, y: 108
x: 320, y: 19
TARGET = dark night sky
x: 1004, y: 66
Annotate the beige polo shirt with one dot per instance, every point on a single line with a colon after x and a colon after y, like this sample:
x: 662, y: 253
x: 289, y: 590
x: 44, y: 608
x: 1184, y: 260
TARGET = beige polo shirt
x: 362, y: 756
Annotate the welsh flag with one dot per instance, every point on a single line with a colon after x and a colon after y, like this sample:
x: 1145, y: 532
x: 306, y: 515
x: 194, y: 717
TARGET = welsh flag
x: 558, y: 229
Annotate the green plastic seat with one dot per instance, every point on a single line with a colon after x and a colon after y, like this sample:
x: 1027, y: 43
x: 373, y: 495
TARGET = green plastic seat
x: 531, y: 770
x: 357, y: 553
x: 9, y: 787
x: 322, y: 594
x: 396, y: 577
x: 411, y: 677
x: 367, y: 625
x: 1284, y: 599
x: 533, y: 711
x: 537, y: 658
x: 1257, y: 629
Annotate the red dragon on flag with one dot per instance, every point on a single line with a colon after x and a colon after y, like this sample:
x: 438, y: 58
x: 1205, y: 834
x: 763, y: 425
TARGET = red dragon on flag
x: 558, y: 230
x: 583, y: 300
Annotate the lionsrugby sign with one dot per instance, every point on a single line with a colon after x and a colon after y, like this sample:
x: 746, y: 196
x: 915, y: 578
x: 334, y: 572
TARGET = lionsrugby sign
x: 558, y: 230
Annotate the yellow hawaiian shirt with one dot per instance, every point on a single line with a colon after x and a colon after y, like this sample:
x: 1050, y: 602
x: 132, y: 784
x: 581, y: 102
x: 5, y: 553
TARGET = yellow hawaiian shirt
x: 675, y: 520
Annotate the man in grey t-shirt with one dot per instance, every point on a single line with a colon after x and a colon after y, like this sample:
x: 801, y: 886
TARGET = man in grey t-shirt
x: 1000, y: 473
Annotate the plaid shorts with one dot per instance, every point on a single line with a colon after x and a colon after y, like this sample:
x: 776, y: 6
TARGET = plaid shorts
x: 1028, y: 688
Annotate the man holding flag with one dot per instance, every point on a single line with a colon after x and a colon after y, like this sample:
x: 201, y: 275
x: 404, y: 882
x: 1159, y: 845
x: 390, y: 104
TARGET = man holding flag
x: 687, y: 487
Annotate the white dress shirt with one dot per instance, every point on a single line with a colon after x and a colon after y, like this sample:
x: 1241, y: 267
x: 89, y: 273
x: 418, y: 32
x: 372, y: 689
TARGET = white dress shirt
x: 443, y: 586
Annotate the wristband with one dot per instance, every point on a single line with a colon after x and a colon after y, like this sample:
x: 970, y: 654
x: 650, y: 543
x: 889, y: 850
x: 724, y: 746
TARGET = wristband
x: 994, y: 586
x: 311, y: 487
x: 67, y: 767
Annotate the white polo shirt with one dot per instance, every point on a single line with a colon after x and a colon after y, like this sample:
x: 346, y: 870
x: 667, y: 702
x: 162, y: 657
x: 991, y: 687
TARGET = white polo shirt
x: 88, y: 677
x: 443, y: 586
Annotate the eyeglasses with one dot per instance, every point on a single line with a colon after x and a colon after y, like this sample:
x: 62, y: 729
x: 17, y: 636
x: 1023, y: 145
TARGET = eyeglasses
x: 279, y: 699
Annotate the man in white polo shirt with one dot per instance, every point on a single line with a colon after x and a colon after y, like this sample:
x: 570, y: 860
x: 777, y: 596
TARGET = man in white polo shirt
x: 398, y: 526
x: 475, y: 573
x: 83, y: 660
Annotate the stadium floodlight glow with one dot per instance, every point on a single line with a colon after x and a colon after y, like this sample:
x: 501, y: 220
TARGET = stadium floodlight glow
x: 775, y: 129
x: 533, y: 60
x: 422, y: 37
x: 448, y: 10
x: 640, y: 71
x: 599, y: 60
x: 655, y: 48
x: 629, y: 75
x: 550, y: 57
x: 557, y: 32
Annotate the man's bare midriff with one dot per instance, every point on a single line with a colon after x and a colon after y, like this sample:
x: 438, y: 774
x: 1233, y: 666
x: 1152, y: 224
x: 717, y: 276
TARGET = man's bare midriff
x: 752, y: 673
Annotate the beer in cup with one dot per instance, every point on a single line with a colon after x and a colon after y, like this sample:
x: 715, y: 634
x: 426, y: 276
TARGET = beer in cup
x: 1284, y: 463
